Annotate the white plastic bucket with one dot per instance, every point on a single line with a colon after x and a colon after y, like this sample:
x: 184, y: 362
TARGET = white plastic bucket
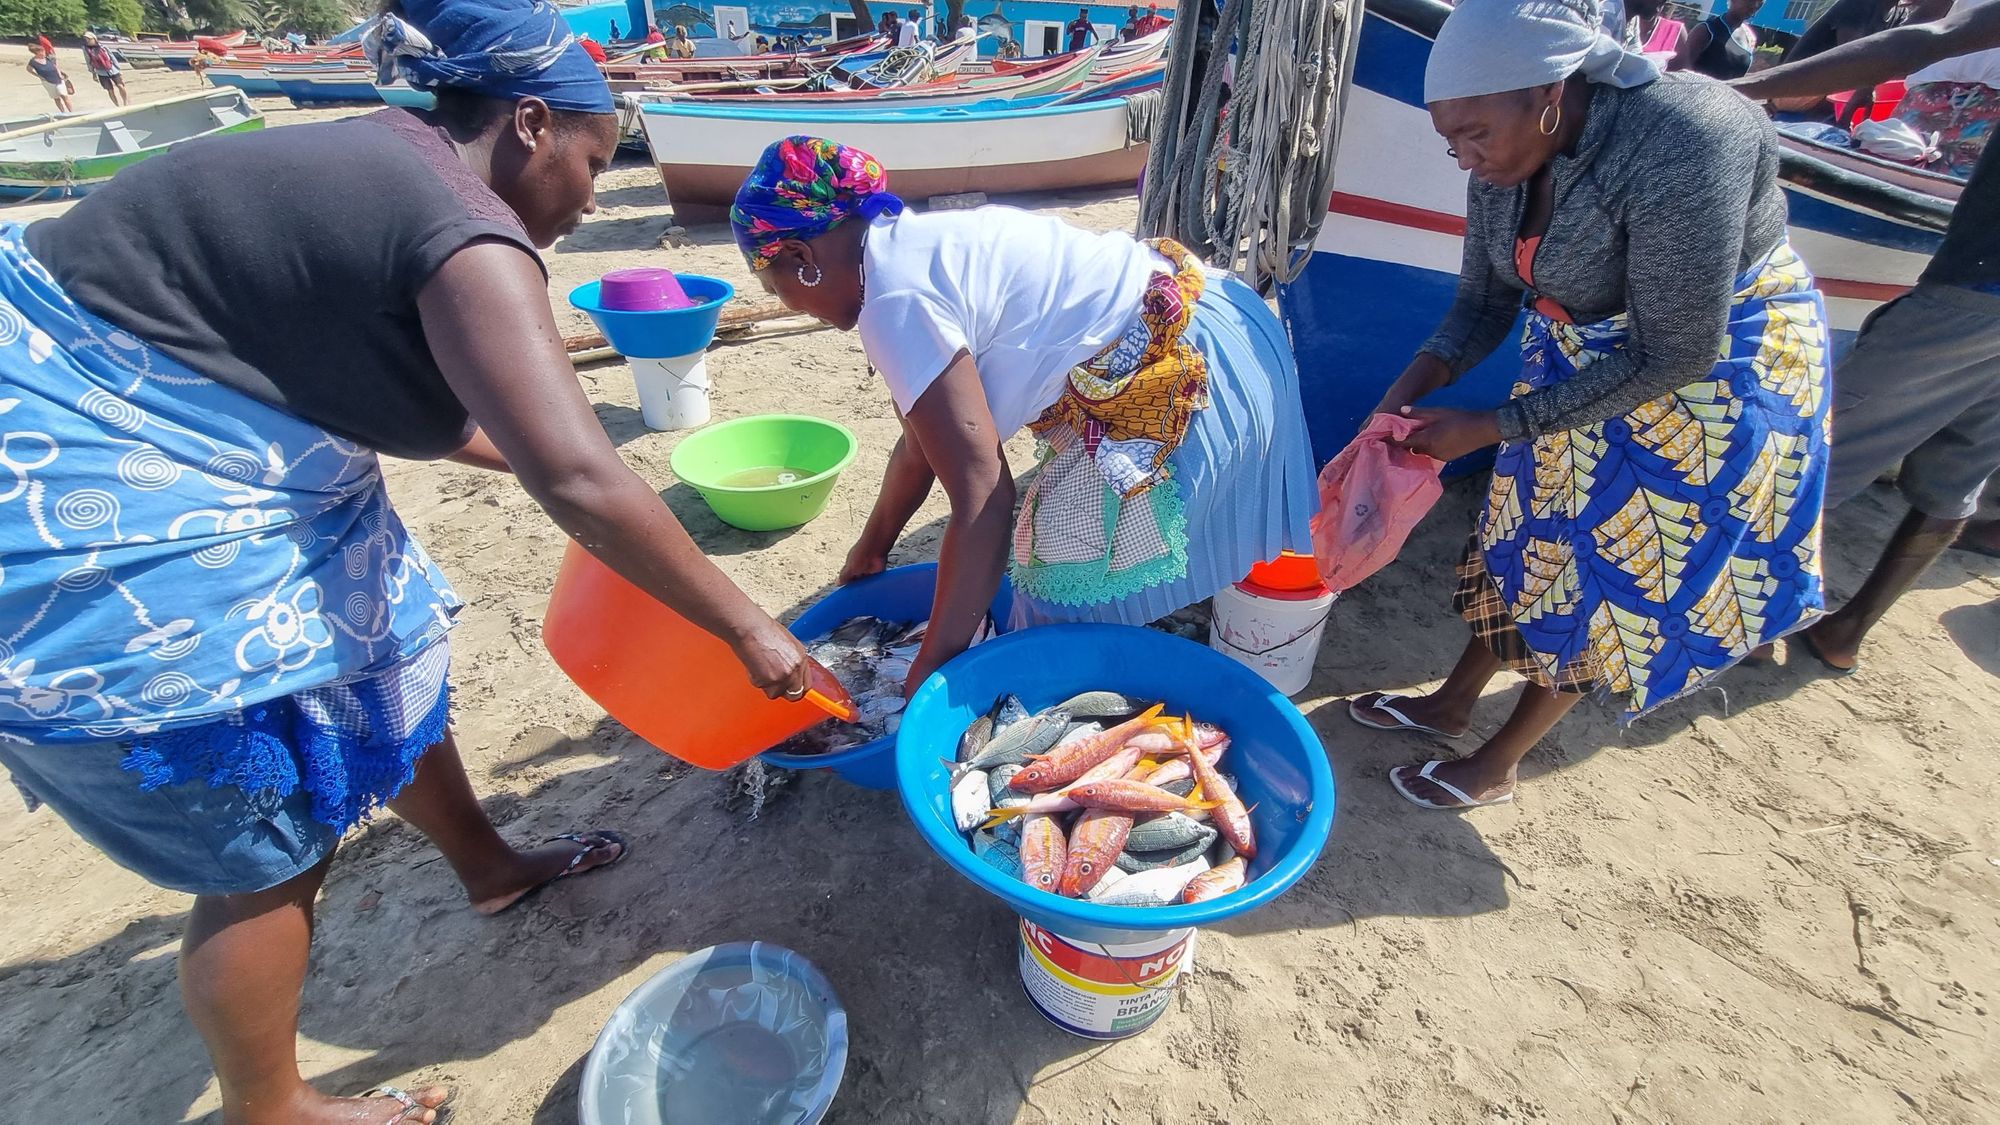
x: 1103, y: 991
x: 1276, y: 632
x: 673, y: 393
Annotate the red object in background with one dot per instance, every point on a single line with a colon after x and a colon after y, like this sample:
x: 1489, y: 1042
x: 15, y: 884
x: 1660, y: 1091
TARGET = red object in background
x: 1371, y: 497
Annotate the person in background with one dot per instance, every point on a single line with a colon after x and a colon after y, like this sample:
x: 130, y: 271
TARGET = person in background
x: 1151, y: 22
x: 910, y: 30
x: 1921, y: 386
x: 1010, y: 48
x: 206, y: 429
x: 1654, y: 34
x: 965, y: 30
x: 103, y: 66
x: 891, y: 27
x: 1641, y: 481
x: 656, y: 45
x: 1957, y: 100
x: 1082, y: 33
x: 680, y: 47
x: 614, y: 31
x: 1131, y: 29
x: 43, y: 42
x: 590, y: 47
x: 1724, y: 45
x: 42, y: 64
x: 762, y: 45
x: 1165, y: 395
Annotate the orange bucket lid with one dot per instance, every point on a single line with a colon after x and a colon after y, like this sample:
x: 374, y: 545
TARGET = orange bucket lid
x: 1289, y: 573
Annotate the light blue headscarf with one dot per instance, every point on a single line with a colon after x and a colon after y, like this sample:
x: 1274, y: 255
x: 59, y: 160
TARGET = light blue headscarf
x: 506, y: 49
x: 1492, y: 46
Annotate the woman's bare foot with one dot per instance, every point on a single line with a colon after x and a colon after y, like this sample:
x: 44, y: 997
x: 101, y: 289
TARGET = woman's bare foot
x: 1834, y: 641
x: 1981, y: 537
x: 558, y: 859
x: 1423, y: 710
x: 314, y: 1108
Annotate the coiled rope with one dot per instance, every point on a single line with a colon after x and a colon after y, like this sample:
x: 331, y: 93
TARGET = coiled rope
x: 1246, y: 183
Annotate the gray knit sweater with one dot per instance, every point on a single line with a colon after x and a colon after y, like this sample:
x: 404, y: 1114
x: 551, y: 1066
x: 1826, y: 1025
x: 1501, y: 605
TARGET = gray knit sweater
x: 1671, y: 194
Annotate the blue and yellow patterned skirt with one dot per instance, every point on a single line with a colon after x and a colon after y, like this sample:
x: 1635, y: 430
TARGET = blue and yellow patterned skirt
x: 1647, y: 553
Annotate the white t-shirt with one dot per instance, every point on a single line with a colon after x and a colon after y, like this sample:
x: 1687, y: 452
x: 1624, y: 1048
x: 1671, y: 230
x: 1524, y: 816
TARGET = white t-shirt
x: 906, y: 34
x: 1028, y: 296
x: 1979, y: 66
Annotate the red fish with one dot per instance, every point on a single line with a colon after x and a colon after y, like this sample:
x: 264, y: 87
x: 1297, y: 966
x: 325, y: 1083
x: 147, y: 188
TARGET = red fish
x: 1044, y: 852
x: 1229, y: 816
x: 1133, y: 797
x: 1065, y: 764
x: 1217, y: 881
x: 1094, y: 845
x: 1164, y: 742
x: 1117, y: 765
x: 1178, y: 769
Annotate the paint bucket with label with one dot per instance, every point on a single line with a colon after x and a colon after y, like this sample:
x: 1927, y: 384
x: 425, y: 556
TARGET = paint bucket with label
x: 673, y: 393
x: 1273, y: 620
x: 1099, y: 990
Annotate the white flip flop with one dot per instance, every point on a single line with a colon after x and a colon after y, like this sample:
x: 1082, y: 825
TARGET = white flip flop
x: 1429, y: 773
x: 1384, y: 702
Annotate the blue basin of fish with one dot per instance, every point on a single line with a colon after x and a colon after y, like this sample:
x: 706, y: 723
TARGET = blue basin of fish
x: 659, y: 333
x: 1279, y: 763
x: 902, y: 594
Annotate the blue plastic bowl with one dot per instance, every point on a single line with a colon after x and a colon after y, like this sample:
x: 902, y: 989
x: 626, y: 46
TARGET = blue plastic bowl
x: 1279, y: 763
x: 900, y: 594
x: 746, y: 1032
x: 659, y: 333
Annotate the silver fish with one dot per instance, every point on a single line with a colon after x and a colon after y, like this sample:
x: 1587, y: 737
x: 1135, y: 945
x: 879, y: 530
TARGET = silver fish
x: 1012, y: 711
x: 970, y: 802
x: 858, y: 652
x: 1180, y: 788
x: 1102, y: 705
x: 980, y: 732
x: 1129, y: 860
x: 1001, y: 855
x: 1172, y: 830
x: 1157, y: 887
x: 997, y: 787
x: 1030, y: 736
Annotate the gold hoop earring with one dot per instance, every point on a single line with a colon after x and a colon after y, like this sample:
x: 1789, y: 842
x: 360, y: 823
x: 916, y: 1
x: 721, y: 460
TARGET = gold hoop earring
x: 1549, y: 127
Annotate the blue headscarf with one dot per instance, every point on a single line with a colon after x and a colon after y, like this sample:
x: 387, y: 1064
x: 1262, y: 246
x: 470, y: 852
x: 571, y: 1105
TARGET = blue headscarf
x: 507, y: 49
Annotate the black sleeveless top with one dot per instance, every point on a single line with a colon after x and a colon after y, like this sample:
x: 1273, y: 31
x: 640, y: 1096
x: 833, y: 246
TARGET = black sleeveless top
x: 1724, y: 58
x: 286, y: 263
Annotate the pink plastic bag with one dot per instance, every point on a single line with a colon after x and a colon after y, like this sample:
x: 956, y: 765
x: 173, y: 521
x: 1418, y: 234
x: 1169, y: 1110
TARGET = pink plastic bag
x: 1371, y: 497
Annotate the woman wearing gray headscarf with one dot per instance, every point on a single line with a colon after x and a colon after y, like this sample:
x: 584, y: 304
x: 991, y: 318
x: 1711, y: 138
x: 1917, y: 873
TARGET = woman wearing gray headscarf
x: 1655, y: 504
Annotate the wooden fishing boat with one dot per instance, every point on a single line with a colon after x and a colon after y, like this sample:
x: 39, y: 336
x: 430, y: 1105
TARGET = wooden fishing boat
x: 251, y: 78
x: 705, y: 151
x: 1053, y: 77
x: 1385, y: 266
x: 1114, y: 58
x: 73, y: 155
x: 633, y: 75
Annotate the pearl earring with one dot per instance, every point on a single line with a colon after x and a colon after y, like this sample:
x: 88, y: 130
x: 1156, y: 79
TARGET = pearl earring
x: 813, y: 281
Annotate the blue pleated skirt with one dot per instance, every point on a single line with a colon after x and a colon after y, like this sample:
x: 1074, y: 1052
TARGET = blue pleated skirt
x: 1245, y: 470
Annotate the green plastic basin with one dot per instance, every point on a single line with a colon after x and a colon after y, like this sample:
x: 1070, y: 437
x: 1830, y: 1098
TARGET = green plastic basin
x: 767, y: 472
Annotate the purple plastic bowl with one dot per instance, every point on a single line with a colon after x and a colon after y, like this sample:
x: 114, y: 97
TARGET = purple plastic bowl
x: 644, y: 289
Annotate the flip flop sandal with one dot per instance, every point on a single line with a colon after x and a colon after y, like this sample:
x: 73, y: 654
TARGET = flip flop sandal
x: 1804, y: 640
x: 1385, y: 703
x: 591, y: 841
x: 1429, y: 773
x: 410, y: 1104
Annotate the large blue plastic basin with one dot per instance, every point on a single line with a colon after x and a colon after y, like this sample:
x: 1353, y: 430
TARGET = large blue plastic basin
x: 901, y: 594
x: 659, y: 333
x: 1279, y: 763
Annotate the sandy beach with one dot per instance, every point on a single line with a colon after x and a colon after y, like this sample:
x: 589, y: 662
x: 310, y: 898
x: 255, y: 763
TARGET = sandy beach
x: 1775, y: 902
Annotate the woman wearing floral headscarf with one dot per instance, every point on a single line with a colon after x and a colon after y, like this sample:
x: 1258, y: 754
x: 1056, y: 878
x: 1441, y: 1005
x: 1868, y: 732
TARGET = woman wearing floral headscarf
x: 1165, y: 395
x: 221, y: 648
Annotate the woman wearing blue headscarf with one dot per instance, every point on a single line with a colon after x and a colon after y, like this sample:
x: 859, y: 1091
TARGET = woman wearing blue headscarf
x: 219, y: 648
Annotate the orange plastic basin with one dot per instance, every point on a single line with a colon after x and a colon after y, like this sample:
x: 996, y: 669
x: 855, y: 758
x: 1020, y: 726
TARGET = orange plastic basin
x: 667, y: 680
